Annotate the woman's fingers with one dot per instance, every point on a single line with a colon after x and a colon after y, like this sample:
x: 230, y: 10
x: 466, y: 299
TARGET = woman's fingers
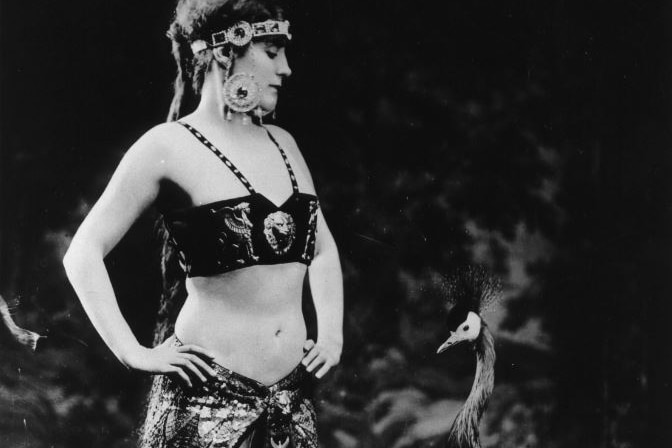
x: 324, y: 369
x: 318, y: 356
x: 188, y: 362
x: 191, y: 368
x: 201, y: 364
x: 308, y: 345
x: 310, y: 356
x: 182, y: 375
x: 319, y: 359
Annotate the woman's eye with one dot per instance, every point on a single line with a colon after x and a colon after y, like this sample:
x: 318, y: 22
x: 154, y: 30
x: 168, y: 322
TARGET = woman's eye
x: 271, y: 54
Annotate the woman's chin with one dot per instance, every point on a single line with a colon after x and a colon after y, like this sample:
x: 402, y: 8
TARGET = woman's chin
x: 269, y: 100
x: 267, y: 107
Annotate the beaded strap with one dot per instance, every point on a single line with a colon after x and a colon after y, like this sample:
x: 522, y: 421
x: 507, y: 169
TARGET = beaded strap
x: 295, y: 186
x: 223, y: 158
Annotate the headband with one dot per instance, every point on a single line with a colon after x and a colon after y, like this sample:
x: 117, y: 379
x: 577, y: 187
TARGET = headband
x: 242, y: 33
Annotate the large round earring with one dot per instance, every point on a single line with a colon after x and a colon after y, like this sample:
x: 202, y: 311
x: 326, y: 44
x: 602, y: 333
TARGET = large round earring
x: 241, y: 93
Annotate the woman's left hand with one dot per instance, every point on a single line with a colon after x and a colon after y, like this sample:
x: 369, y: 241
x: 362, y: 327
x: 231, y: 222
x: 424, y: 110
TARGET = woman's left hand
x: 326, y: 353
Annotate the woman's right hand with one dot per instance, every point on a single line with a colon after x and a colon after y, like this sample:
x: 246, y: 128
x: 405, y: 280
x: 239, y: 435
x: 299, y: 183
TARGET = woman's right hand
x: 185, y: 364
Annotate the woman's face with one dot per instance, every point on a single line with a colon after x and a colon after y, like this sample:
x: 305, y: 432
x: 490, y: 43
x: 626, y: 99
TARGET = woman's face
x: 267, y: 62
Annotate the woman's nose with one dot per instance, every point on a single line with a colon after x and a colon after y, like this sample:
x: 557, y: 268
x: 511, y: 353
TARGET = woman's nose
x: 283, y: 65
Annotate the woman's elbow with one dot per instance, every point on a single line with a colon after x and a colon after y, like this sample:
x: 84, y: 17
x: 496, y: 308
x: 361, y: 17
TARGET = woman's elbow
x: 79, y: 255
x: 71, y: 259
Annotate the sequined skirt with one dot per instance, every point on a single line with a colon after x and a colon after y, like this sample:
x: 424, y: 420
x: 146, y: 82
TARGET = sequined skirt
x: 224, y: 412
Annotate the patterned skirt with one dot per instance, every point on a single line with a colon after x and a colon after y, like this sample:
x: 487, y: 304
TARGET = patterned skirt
x: 225, y: 411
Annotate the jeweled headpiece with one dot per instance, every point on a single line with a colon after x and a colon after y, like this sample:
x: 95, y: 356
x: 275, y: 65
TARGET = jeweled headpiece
x: 242, y: 33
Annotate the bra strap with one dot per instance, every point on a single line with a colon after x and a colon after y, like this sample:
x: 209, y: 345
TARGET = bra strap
x: 295, y: 185
x: 221, y: 156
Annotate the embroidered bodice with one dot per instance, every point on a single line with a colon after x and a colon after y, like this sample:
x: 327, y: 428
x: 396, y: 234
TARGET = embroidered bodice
x: 249, y: 230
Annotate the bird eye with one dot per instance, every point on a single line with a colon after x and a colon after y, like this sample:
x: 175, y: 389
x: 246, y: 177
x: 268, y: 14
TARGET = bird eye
x: 466, y: 328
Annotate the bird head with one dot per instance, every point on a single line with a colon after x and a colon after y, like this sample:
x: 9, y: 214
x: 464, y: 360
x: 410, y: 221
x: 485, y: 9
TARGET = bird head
x: 464, y: 325
x: 470, y: 291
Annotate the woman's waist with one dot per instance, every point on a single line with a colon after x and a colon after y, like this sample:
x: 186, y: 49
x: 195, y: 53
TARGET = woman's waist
x: 263, y: 347
x: 235, y: 323
x: 294, y: 380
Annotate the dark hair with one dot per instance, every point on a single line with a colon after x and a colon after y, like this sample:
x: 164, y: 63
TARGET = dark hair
x: 194, y: 20
x: 198, y: 19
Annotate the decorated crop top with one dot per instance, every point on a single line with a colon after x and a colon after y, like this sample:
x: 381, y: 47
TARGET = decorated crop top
x: 226, y: 235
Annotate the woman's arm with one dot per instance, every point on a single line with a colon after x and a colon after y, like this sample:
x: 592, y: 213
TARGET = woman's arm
x: 326, y: 285
x: 133, y: 187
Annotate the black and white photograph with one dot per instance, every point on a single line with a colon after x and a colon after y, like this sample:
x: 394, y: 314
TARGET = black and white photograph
x: 335, y: 224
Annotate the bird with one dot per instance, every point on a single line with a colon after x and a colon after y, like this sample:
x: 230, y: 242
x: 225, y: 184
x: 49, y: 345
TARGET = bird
x: 471, y: 291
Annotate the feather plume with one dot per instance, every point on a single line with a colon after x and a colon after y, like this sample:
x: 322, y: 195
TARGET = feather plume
x: 473, y: 287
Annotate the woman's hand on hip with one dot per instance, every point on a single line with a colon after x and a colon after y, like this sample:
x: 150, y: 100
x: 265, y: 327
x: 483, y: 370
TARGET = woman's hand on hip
x: 183, y: 363
x: 325, y: 353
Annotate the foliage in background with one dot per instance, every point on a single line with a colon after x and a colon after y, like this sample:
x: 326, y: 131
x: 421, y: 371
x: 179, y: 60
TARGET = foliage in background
x: 525, y: 136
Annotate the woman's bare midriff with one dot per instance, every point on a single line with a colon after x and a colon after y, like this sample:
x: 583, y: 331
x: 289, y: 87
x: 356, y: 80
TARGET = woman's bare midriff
x: 250, y: 319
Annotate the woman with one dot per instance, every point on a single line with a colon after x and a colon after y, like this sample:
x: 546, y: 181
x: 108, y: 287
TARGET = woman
x: 240, y: 210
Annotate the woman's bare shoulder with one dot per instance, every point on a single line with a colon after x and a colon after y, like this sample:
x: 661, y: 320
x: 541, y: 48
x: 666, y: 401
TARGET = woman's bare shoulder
x: 279, y: 133
x: 163, y: 143
x: 286, y: 141
x: 160, y: 139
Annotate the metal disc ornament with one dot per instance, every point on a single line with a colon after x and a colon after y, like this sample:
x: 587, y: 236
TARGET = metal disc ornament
x: 241, y: 92
x: 239, y: 34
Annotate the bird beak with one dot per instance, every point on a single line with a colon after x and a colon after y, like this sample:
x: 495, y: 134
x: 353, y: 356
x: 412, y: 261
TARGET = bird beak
x: 452, y: 340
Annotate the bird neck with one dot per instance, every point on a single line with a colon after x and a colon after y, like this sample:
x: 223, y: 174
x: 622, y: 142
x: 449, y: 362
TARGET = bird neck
x: 464, y: 432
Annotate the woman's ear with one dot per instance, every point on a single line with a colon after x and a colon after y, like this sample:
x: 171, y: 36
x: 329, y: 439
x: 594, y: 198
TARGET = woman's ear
x: 222, y: 57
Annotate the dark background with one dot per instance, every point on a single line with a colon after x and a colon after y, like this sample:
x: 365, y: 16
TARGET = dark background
x: 530, y: 137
